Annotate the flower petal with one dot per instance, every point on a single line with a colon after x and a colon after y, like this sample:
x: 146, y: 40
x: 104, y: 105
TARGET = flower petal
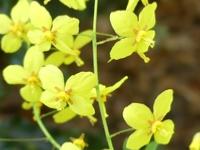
x: 5, y: 23
x: 137, y: 116
x: 10, y: 43
x: 131, y: 5
x: 63, y: 42
x: 147, y: 17
x: 82, y: 39
x: 162, y: 104
x: 87, y: 80
x: 138, y: 139
x: 164, y: 132
x: 49, y: 99
x: 20, y: 12
x: 75, y: 4
x: 69, y: 146
x: 56, y: 58
x: 195, y: 144
x: 33, y: 60
x: 31, y: 93
x: 52, y: 78
x: 15, y: 74
x: 122, y: 49
x: 110, y: 89
x: 39, y: 16
x: 81, y: 105
x: 147, y: 41
x: 65, y: 25
x: 36, y: 36
x: 64, y: 115
x: 123, y: 22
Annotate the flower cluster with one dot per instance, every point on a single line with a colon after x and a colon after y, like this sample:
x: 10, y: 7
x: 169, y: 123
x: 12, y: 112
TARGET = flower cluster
x: 136, y: 32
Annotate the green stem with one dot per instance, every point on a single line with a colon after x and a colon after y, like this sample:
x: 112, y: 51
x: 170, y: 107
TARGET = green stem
x: 108, y: 40
x: 22, y: 139
x: 121, y: 132
x: 48, y: 114
x: 95, y: 66
x: 36, y: 112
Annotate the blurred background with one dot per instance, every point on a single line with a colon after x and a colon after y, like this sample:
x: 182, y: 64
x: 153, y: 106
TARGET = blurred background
x: 174, y: 64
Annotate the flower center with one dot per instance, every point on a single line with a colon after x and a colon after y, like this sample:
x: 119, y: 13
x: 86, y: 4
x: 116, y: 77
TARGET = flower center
x: 49, y: 35
x: 33, y: 80
x: 155, y: 126
x: 140, y: 35
x: 17, y: 29
x: 63, y: 96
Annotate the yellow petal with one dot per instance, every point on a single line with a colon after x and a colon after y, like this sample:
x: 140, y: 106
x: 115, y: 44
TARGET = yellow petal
x: 15, y: 74
x: 5, y: 23
x: 10, y: 43
x: 20, y: 12
x: 39, y: 16
x: 137, y: 116
x: 138, y: 139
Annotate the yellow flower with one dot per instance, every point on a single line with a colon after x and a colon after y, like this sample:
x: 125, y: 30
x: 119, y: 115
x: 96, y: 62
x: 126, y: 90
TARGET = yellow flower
x: 14, y: 28
x: 48, y: 32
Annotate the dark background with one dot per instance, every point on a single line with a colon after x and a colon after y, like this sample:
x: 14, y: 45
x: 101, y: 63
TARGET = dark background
x: 174, y: 64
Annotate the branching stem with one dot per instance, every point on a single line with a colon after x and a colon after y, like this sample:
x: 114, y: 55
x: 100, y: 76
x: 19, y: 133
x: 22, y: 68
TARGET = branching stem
x: 36, y: 112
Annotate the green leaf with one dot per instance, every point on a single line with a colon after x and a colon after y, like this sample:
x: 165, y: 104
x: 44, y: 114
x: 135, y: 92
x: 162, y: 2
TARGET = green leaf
x: 138, y: 139
x: 5, y: 23
x: 164, y: 132
x: 123, y: 22
x: 131, y: 5
x: 49, y: 99
x: 64, y: 115
x: 147, y: 16
x: 56, y: 58
x: 162, y: 104
x: 152, y: 146
x: 81, y: 105
x: 31, y: 93
x: 87, y: 80
x: 75, y: 4
x: 137, y: 116
x: 33, y: 60
x: 10, y: 43
x: 69, y: 146
x: 20, y: 12
x: 52, y: 78
x: 82, y: 39
x: 15, y: 74
x: 39, y: 16
x: 122, y: 49
x: 65, y: 25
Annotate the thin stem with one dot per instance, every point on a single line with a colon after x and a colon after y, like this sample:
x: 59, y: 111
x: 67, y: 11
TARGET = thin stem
x: 23, y: 139
x: 121, y: 132
x: 108, y: 40
x: 48, y: 114
x: 95, y: 66
x: 36, y: 112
